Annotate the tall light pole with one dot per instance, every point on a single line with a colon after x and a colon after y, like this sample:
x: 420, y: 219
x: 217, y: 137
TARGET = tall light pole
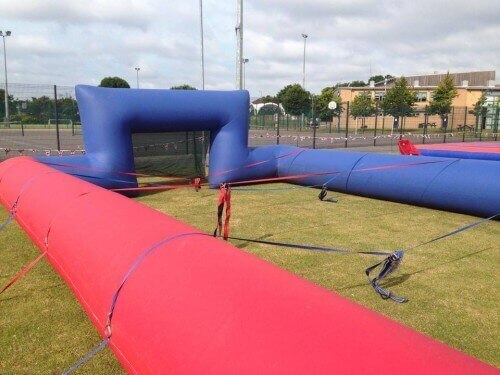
x: 137, y: 74
x: 245, y: 72
x: 203, y: 142
x: 239, y: 52
x: 304, y: 72
x: 202, y: 48
x: 304, y: 63
x: 6, y: 92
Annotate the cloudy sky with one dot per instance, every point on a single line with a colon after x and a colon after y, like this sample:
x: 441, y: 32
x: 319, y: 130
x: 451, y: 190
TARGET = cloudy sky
x: 67, y: 42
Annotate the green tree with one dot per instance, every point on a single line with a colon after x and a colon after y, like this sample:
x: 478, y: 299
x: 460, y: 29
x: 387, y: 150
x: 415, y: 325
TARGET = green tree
x: 183, y: 87
x: 294, y: 99
x: 362, y: 106
x: 321, y: 103
x: 357, y: 84
x: 115, y: 82
x: 399, y: 101
x: 376, y: 78
x: 68, y: 109
x: 41, y: 109
x: 442, y: 98
x: 379, y: 78
x: 479, y: 108
x: 12, y: 105
x: 269, y: 99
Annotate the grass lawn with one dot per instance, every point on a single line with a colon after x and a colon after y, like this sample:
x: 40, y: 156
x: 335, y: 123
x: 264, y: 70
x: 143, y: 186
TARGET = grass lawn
x: 453, y: 284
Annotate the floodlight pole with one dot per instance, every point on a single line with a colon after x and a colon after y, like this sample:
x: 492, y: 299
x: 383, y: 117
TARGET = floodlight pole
x: 203, y: 134
x: 304, y: 71
x: 6, y: 92
x: 202, y: 48
x: 239, y: 52
x: 137, y: 71
x: 304, y: 63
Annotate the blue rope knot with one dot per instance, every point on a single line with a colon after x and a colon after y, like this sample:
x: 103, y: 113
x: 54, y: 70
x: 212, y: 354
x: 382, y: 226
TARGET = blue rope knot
x: 387, y: 267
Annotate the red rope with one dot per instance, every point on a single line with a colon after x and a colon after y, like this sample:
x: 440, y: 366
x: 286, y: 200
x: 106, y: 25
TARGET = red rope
x: 224, y: 199
x: 90, y: 169
x: 250, y: 165
x: 303, y: 175
x: 294, y: 152
x: 286, y: 178
x: 23, y: 272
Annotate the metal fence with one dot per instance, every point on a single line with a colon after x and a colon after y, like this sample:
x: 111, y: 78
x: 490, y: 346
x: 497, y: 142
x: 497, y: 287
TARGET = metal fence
x: 44, y: 120
x: 41, y: 118
x: 463, y: 124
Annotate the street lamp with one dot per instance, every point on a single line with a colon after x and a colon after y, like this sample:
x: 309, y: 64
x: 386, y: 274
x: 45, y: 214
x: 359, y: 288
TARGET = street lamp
x: 137, y: 71
x: 6, y: 92
x: 304, y: 69
x: 239, y: 50
x: 244, y: 71
x: 304, y: 63
x: 202, y: 48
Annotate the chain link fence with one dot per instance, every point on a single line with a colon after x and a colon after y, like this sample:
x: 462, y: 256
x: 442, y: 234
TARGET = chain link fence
x: 463, y: 124
x: 41, y: 118
x: 44, y: 120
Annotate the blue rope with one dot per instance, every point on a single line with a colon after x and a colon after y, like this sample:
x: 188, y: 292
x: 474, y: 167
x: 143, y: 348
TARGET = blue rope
x: 276, y: 188
x: 453, y: 232
x: 310, y: 247
x: 93, y: 352
x: 393, y: 261
x: 14, y: 206
x: 6, y: 222
x: 287, y: 188
x: 133, y: 268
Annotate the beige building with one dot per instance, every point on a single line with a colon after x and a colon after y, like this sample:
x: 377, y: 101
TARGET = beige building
x: 470, y: 87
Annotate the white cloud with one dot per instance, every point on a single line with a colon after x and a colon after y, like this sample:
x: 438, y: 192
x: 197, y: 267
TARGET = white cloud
x: 70, y: 42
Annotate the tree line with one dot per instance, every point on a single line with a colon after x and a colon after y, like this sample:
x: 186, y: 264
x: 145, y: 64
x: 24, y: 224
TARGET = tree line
x: 400, y: 99
x: 39, y: 110
x: 398, y: 102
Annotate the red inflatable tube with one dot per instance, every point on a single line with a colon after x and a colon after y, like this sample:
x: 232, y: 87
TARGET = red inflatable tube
x: 197, y: 305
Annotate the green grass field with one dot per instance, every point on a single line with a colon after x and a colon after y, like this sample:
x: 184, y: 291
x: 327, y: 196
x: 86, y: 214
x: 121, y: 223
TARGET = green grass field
x: 453, y: 284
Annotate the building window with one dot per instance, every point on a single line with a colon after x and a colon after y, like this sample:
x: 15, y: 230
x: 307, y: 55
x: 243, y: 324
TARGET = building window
x: 421, y: 97
x: 379, y: 95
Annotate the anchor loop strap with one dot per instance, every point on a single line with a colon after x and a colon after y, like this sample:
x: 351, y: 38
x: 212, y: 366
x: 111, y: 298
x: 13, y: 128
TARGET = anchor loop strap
x: 388, y: 266
x: 322, y: 195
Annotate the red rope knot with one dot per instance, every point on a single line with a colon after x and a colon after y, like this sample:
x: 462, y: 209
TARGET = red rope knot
x: 107, y: 327
x: 197, y: 184
x: 13, y: 210
x: 224, y: 200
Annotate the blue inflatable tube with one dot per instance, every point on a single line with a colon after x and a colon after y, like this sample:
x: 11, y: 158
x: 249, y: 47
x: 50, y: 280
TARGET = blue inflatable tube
x: 111, y: 116
x: 463, y: 150
x: 466, y: 186
x: 461, y: 154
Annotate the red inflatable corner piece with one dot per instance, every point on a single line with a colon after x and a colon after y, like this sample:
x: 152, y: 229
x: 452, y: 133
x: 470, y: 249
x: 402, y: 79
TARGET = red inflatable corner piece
x: 198, y: 305
x: 407, y: 148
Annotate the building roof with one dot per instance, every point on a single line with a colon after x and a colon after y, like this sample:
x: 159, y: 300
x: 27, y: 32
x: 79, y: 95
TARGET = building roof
x: 381, y: 88
x: 478, y: 78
